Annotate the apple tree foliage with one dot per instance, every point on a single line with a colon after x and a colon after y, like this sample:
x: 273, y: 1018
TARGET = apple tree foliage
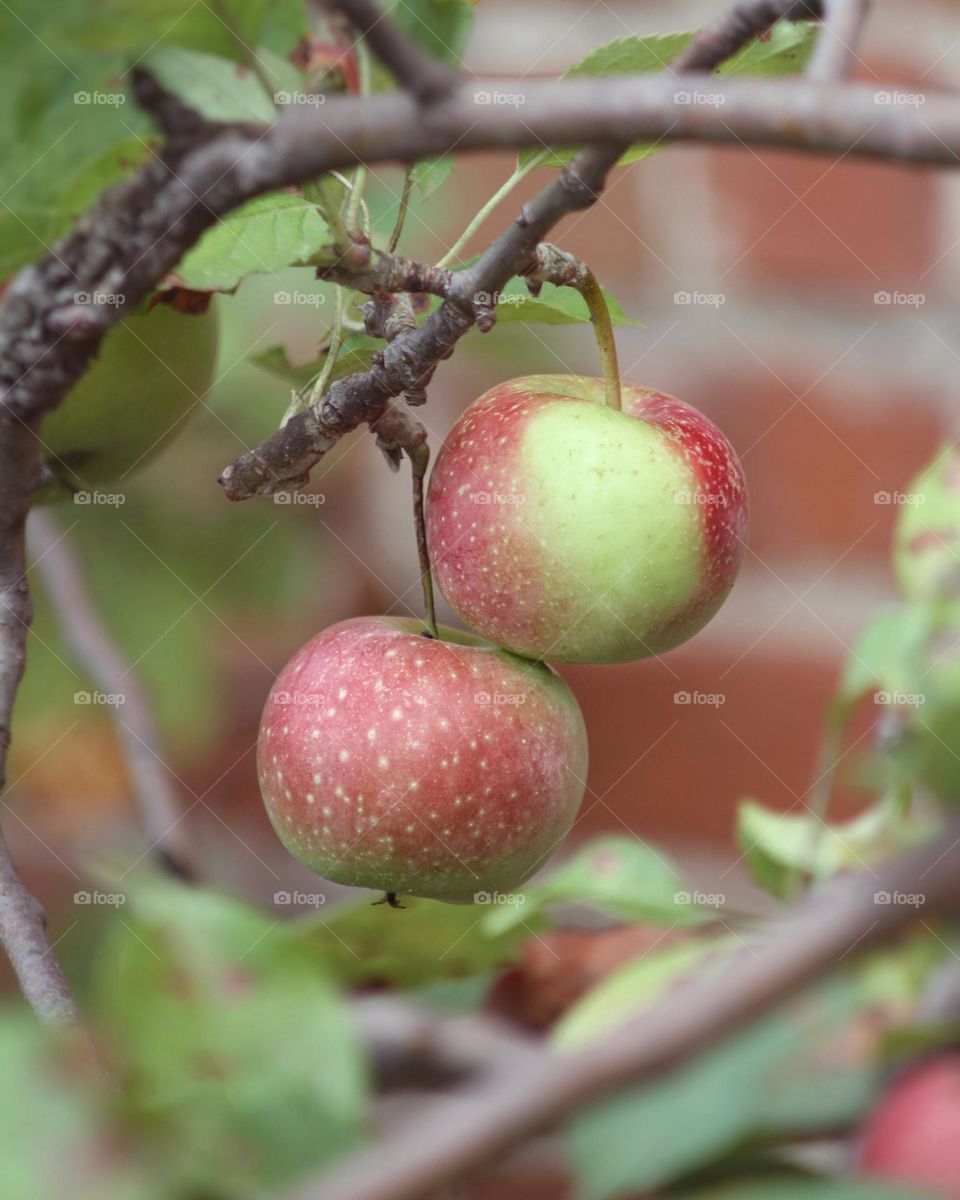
x: 228, y: 1021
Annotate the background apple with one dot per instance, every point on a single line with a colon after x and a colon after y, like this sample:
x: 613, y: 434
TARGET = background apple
x: 564, y: 529
x: 152, y: 369
x: 390, y: 760
x: 914, y: 1133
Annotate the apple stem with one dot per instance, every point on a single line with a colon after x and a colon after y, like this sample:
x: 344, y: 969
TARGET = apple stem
x: 590, y: 290
x: 419, y: 461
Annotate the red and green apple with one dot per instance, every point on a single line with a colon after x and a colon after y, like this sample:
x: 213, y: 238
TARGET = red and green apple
x: 441, y: 768
x: 565, y: 529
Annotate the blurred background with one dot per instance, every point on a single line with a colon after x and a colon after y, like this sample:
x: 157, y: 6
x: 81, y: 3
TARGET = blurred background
x: 805, y: 305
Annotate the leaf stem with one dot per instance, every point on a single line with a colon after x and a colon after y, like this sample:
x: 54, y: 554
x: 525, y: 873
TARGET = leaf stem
x: 402, y: 210
x: 419, y: 461
x: 359, y: 177
x: 592, y: 293
x: 504, y: 190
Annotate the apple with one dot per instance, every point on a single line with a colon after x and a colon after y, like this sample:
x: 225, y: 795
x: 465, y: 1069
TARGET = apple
x: 389, y: 759
x: 914, y: 1133
x: 565, y: 529
x: 152, y: 370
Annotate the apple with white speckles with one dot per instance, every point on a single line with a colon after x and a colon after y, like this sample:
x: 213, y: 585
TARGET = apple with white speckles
x: 439, y: 768
x: 565, y: 529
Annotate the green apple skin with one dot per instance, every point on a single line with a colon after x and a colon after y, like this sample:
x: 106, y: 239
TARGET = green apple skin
x: 419, y: 766
x: 152, y: 371
x: 564, y: 529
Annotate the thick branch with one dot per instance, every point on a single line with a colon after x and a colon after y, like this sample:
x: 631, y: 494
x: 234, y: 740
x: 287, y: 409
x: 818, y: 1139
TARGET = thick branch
x: 725, y: 36
x: 61, y: 570
x: 478, y: 1124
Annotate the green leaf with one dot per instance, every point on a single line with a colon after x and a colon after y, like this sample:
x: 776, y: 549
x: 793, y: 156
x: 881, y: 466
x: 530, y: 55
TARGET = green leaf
x: 423, y: 943
x: 778, y: 846
x: 262, y: 236
x: 131, y: 27
x: 430, y: 174
x: 629, y: 989
x: 777, y: 1077
x: 231, y: 1037
x: 621, y: 876
x: 784, y: 51
x: 926, y: 553
x: 356, y: 355
x: 888, y: 656
x: 215, y: 87
x: 440, y: 26
x: 554, y: 306
x: 47, y: 1103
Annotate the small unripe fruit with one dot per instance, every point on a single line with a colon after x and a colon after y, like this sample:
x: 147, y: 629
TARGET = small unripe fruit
x: 913, y: 1134
x: 394, y: 761
x: 563, y: 529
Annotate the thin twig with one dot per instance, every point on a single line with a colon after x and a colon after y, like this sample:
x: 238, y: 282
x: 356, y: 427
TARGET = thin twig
x: 22, y: 921
x: 60, y: 568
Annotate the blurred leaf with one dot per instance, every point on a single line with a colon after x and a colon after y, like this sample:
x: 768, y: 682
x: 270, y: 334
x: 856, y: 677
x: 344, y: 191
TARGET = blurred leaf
x: 58, y: 1136
x: 780, y: 1075
x: 631, y: 988
x: 356, y: 354
x: 131, y: 27
x: 778, y: 846
x: 430, y: 174
x: 215, y: 87
x: 789, y: 1187
x: 784, y: 51
x: 236, y: 1048
x: 621, y: 876
x: 440, y: 26
x: 926, y: 553
x: 263, y: 235
x: 424, y: 942
x: 888, y: 654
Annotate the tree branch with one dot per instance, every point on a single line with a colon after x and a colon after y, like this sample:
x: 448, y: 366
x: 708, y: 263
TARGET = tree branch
x: 22, y: 921
x: 481, y: 1121
x: 835, y: 50
x: 419, y: 73
x: 59, y: 566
